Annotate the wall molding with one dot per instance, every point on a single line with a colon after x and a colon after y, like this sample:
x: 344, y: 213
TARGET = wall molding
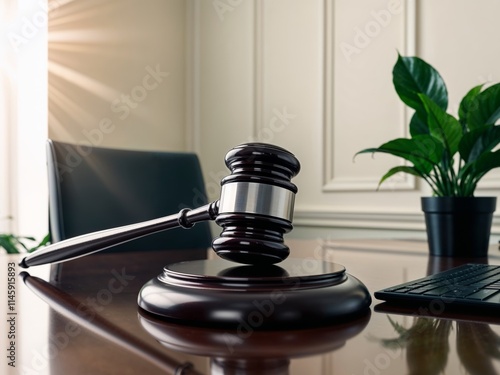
x: 192, y: 110
x: 258, y: 63
x: 395, y: 220
x: 346, y: 218
x: 488, y: 183
x: 331, y: 182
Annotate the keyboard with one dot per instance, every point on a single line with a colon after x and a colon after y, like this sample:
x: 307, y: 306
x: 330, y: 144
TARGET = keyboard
x: 467, y: 286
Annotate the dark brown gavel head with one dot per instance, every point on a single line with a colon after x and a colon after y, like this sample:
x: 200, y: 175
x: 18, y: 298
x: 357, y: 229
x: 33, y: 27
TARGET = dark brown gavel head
x: 256, y: 204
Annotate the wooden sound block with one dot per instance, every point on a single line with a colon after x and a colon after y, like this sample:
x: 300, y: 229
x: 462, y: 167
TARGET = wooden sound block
x: 215, y: 292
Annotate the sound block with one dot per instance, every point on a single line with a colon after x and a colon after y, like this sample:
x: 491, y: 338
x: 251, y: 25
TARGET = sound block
x: 217, y: 293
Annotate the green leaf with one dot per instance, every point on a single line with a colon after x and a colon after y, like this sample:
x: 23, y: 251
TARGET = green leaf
x: 412, y: 76
x: 467, y: 103
x: 400, y: 169
x: 397, y: 327
x: 478, y: 141
x: 423, y: 151
x: 485, y: 108
x: 8, y: 242
x: 442, y: 125
x: 417, y: 125
x: 482, y: 165
x: 472, y: 172
x: 18, y: 240
x: 43, y: 242
x: 12, y: 243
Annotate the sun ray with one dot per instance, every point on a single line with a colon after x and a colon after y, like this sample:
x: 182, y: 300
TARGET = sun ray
x: 90, y: 84
x: 64, y: 102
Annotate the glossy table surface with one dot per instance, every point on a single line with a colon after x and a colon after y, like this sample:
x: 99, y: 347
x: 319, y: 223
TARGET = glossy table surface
x: 85, y: 320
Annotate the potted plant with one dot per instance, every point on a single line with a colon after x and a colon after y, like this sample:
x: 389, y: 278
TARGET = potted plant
x: 450, y: 153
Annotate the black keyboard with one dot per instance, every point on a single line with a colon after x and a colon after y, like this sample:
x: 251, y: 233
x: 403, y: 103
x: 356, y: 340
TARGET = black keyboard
x: 470, y: 285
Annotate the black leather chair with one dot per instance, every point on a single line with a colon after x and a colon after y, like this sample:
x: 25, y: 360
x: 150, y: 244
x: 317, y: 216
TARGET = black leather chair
x: 94, y: 188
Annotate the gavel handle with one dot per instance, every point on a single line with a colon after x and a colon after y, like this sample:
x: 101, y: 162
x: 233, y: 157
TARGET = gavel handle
x: 89, y: 243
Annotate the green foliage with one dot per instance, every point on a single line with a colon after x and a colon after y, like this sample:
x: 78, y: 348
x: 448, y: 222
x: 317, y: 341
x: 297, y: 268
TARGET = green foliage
x: 12, y: 244
x: 451, y: 154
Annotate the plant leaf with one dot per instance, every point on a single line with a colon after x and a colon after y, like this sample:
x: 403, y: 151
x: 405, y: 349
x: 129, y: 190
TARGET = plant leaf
x: 472, y: 172
x: 7, y: 241
x: 412, y: 76
x: 479, y: 141
x: 18, y: 240
x: 486, y: 162
x: 398, y: 327
x: 11, y: 243
x: 399, y: 169
x: 485, y: 108
x: 43, y: 242
x: 423, y: 151
x: 467, y: 103
x: 417, y: 125
x: 442, y: 125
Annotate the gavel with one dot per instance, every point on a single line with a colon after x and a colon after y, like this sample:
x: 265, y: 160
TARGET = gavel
x: 255, y: 210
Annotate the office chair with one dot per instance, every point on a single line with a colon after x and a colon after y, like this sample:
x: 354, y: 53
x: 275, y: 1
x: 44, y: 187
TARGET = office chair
x: 92, y: 188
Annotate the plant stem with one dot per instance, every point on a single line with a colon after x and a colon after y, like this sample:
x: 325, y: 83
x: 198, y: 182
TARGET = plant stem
x: 431, y: 182
x: 440, y: 184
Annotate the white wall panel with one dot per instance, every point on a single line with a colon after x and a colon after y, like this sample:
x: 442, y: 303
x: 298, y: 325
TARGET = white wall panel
x: 315, y: 77
x: 361, y: 107
x: 293, y: 82
x: 223, y: 90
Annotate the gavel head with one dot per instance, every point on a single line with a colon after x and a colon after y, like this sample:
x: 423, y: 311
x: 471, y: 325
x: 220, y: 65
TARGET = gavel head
x: 256, y: 204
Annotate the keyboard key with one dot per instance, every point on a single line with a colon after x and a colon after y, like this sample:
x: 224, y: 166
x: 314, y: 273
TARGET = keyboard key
x: 438, y: 291
x: 421, y: 290
x: 482, y: 294
x: 494, y: 299
x: 482, y: 284
x: 459, y: 292
x: 404, y: 289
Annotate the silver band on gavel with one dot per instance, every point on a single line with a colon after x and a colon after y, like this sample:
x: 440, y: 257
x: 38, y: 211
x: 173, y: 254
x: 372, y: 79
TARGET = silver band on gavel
x: 257, y: 198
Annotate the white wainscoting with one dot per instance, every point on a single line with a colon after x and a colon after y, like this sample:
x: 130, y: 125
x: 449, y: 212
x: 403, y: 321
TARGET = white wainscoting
x: 315, y: 77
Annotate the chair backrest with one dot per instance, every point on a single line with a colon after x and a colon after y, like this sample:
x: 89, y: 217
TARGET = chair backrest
x: 94, y: 188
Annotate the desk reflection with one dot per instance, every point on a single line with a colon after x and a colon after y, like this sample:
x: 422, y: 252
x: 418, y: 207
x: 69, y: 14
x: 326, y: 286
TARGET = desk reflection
x: 231, y: 351
x: 427, y: 340
x: 251, y: 352
x: 89, y: 319
x: 427, y: 345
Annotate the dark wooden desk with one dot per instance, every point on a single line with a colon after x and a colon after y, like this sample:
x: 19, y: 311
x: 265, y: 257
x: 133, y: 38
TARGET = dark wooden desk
x: 94, y: 326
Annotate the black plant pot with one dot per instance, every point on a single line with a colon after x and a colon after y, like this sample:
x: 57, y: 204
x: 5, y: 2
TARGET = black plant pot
x: 458, y: 226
